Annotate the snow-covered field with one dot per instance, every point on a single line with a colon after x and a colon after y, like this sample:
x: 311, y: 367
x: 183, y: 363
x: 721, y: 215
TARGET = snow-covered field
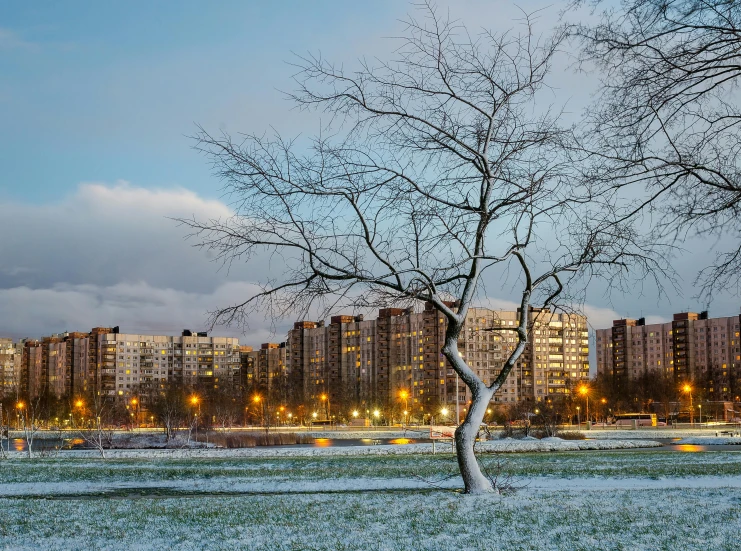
x: 627, y: 500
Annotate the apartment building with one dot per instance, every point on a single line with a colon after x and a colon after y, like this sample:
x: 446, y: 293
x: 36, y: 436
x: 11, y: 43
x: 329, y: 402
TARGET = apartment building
x: 265, y: 372
x: 358, y: 361
x: 110, y: 363
x: 554, y: 362
x: 10, y: 367
x: 129, y: 362
x: 692, y: 347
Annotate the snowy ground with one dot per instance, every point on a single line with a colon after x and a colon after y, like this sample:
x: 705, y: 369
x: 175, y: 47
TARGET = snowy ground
x: 629, y: 500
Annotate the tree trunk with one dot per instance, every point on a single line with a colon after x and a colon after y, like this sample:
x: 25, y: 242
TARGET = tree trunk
x: 474, y: 480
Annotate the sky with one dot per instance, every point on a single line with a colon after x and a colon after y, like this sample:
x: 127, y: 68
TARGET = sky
x: 97, y: 103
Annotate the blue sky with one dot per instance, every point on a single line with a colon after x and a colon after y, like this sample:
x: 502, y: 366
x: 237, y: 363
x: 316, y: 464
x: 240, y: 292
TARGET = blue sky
x: 101, y: 91
x: 96, y: 102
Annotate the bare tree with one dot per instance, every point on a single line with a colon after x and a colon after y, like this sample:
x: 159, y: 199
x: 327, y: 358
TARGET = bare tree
x: 4, y: 433
x: 438, y: 168
x: 170, y: 408
x: 28, y: 417
x: 666, y: 119
x: 98, y: 433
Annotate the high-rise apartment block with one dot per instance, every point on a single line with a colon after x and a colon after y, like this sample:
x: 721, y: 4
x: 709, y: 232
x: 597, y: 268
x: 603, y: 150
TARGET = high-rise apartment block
x: 10, y: 367
x: 353, y: 361
x: 109, y: 363
x: 690, y: 348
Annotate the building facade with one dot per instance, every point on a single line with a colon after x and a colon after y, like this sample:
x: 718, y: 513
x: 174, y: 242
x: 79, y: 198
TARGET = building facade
x: 363, y: 363
x: 106, y: 362
x: 691, y: 348
x: 10, y: 368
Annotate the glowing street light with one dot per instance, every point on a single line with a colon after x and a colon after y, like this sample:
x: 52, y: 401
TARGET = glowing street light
x: 584, y: 391
x: 355, y: 414
x: 688, y: 389
x: 324, y: 398
x: 134, y: 404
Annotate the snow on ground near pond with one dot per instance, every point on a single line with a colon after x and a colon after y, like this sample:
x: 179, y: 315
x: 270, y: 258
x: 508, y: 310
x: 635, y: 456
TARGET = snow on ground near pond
x: 505, y: 445
x: 341, y: 484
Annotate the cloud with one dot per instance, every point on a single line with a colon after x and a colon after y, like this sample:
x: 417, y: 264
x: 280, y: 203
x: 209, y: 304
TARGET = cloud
x: 105, y: 234
x: 110, y: 254
x: 137, y: 308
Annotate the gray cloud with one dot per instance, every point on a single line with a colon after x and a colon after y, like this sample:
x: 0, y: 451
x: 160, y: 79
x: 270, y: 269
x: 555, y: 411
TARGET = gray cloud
x: 107, y: 234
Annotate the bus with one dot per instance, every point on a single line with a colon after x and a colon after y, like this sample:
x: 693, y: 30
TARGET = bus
x: 639, y: 419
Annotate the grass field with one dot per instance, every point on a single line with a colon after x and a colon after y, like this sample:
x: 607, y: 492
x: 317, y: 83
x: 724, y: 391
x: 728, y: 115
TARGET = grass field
x: 567, y: 501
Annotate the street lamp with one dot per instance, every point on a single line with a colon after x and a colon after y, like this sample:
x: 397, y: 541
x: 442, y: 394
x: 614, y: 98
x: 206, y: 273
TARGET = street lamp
x: 257, y: 399
x: 325, y: 397
x: 376, y: 414
x: 444, y: 413
x: 699, y: 406
x: 196, y: 402
x: 578, y: 416
x: 135, y: 403
x: 584, y: 391
x: 688, y: 389
x: 19, y: 412
x: 404, y: 395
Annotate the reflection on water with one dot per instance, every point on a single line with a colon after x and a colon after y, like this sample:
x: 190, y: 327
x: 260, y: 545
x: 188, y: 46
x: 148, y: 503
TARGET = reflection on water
x: 691, y: 448
x: 400, y: 441
x: 39, y: 444
x: 322, y: 442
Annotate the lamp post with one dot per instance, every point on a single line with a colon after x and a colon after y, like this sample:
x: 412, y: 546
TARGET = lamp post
x: 603, y: 401
x: 699, y: 407
x: 196, y: 402
x: 404, y: 395
x: 325, y: 398
x: 584, y: 391
x: 376, y: 415
x: 134, y: 404
x: 18, y: 414
x: 578, y: 417
x: 256, y: 399
x: 688, y: 389
x: 79, y: 404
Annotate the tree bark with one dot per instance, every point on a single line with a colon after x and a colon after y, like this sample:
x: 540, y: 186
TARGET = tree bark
x: 475, y: 482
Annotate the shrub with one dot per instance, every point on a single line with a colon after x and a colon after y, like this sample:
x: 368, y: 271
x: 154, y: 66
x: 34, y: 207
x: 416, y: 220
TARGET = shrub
x: 572, y: 435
